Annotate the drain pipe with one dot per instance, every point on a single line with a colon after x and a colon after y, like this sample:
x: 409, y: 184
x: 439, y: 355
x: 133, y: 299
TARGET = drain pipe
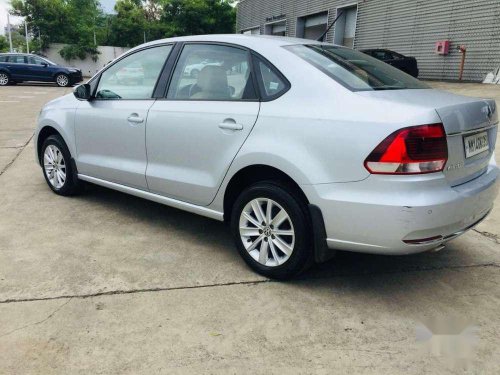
x: 463, y: 51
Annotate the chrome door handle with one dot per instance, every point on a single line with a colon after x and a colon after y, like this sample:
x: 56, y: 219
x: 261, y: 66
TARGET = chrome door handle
x: 135, y: 119
x: 230, y: 126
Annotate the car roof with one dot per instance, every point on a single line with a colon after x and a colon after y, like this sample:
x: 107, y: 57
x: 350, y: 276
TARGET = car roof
x: 249, y: 41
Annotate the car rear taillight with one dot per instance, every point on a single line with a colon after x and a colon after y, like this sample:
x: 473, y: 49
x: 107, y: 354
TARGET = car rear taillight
x: 413, y: 150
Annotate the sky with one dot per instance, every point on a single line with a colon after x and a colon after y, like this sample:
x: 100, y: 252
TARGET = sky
x: 107, y: 5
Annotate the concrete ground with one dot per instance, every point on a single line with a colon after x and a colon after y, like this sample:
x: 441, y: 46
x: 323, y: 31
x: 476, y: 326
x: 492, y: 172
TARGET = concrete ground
x: 107, y: 283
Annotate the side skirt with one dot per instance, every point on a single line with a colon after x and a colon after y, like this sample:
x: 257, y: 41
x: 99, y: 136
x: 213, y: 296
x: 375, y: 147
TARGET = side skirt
x: 203, y: 211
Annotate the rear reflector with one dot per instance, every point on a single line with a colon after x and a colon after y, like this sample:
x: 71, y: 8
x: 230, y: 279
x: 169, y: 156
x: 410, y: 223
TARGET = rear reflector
x: 413, y: 150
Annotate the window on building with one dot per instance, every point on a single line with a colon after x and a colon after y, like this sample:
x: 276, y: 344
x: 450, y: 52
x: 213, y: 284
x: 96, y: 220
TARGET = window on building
x: 276, y: 29
x: 312, y: 26
x: 252, y: 31
x: 345, y: 27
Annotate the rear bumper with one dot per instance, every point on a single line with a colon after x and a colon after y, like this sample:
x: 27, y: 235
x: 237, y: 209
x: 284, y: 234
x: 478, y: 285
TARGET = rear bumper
x: 378, y: 214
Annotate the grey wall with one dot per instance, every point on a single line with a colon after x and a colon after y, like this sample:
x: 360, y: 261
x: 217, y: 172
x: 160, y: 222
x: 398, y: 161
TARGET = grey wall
x: 410, y: 27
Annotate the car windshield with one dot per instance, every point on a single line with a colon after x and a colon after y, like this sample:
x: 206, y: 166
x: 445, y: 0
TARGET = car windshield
x: 355, y: 70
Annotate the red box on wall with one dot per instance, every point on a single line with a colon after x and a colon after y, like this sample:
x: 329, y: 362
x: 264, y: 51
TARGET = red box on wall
x: 442, y: 47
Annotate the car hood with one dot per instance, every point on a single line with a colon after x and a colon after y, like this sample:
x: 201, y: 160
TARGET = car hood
x: 63, y: 102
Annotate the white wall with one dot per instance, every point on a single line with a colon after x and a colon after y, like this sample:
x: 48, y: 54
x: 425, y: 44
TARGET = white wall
x: 87, y: 66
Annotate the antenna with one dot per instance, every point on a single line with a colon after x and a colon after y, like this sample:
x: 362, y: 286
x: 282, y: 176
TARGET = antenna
x: 320, y: 39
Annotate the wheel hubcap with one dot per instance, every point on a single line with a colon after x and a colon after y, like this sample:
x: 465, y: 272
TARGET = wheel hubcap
x: 4, y: 79
x: 62, y: 80
x: 267, y: 232
x: 55, y: 166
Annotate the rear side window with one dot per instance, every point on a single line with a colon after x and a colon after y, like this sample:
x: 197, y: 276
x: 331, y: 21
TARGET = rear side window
x: 212, y: 72
x: 272, y: 84
x: 17, y: 59
x: 3, y: 58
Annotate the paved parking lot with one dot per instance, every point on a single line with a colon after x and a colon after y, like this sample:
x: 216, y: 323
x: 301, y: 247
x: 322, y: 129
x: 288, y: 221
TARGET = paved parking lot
x: 109, y: 283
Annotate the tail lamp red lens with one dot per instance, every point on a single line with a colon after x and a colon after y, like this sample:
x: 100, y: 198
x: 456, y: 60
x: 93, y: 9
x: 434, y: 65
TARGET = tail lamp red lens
x: 413, y: 150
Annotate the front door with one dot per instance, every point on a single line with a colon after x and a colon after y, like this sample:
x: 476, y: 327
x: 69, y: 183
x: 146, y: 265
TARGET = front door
x: 111, y: 128
x: 193, y: 136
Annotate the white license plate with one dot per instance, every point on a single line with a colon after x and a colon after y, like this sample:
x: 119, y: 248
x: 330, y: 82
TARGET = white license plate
x: 475, y: 144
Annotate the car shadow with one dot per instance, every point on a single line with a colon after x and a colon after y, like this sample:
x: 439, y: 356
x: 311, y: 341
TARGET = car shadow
x: 198, y: 230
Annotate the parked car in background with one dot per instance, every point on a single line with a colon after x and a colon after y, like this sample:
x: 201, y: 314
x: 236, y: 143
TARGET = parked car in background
x: 407, y: 64
x: 302, y: 147
x: 21, y: 67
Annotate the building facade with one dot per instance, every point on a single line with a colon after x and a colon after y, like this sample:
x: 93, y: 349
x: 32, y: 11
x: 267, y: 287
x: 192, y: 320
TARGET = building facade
x: 410, y: 27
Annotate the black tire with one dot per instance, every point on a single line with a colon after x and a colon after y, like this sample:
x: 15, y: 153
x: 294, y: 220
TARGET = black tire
x: 66, y: 84
x: 5, y: 79
x: 71, y: 184
x: 296, y: 208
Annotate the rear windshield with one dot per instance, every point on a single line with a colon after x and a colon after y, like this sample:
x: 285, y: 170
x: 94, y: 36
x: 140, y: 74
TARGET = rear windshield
x: 355, y: 70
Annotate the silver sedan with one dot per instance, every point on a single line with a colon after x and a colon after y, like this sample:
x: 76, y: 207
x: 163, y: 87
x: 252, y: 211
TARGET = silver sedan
x: 302, y: 147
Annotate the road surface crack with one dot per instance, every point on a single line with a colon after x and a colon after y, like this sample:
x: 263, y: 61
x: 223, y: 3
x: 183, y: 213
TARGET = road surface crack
x: 252, y: 282
x: 38, y: 322
x: 21, y: 149
x: 494, y: 237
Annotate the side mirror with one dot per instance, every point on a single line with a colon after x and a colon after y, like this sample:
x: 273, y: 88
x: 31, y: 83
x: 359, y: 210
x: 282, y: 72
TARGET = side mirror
x: 83, y: 92
x: 44, y: 64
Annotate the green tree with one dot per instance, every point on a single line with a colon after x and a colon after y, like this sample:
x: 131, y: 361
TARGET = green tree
x: 191, y: 17
x: 4, y: 44
x: 64, y: 21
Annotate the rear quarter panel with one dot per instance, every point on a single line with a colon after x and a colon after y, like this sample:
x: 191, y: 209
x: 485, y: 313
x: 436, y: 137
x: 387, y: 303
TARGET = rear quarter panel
x: 319, y: 132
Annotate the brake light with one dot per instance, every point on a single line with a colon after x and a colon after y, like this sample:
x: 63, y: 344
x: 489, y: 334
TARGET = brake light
x: 413, y: 150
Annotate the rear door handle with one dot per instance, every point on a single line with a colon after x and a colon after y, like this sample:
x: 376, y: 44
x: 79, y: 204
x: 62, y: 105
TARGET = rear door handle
x: 230, y: 126
x: 134, y: 117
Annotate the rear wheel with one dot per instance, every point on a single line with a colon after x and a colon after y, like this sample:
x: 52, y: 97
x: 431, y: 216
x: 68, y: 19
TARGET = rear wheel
x: 57, y: 168
x: 4, y: 79
x: 62, y: 80
x: 271, y: 229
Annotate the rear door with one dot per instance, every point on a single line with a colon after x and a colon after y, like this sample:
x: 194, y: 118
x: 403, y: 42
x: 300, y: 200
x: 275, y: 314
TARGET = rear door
x: 111, y: 129
x: 194, y: 134
x: 17, y: 66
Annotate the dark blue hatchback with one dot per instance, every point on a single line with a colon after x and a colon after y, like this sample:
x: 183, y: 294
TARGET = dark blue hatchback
x: 19, y: 67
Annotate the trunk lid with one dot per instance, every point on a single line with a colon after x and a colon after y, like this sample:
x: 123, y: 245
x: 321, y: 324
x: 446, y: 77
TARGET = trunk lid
x: 463, y: 118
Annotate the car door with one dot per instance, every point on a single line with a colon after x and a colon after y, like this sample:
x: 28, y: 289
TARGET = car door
x: 111, y: 128
x: 17, y: 67
x: 39, y: 69
x: 194, y: 134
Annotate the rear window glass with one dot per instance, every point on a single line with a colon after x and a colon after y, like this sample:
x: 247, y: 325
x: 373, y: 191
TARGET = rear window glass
x: 3, y: 58
x: 355, y: 70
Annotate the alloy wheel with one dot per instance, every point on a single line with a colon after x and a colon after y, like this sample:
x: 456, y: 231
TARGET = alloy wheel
x: 62, y: 80
x: 267, y: 232
x: 54, y: 166
x: 4, y: 79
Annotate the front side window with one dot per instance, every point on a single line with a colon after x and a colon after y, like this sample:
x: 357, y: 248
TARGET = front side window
x: 355, y: 70
x: 133, y: 77
x: 36, y: 61
x: 3, y: 58
x: 212, y: 72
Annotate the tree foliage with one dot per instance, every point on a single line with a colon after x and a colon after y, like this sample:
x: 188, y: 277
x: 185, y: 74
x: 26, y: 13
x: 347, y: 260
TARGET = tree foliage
x: 4, y: 44
x: 74, y: 22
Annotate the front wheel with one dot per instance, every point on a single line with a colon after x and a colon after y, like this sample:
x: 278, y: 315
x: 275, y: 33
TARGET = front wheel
x: 270, y: 226
x: 62, y: 80
x: 57, y: 168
